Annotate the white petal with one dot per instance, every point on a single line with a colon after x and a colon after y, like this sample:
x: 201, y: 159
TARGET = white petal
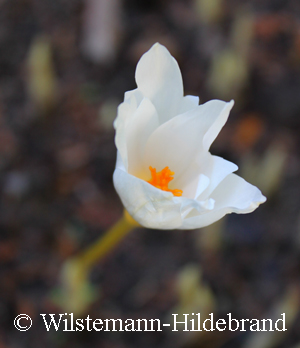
x: 194, y: 186
x: 216, y: 169
x: 119, y: 162
x: 216, y: 113
x: 188, y: 205
x: 237, y: 194
x: 202, y: 220
x: 233, y: 194
x: 181, y: 140
x: 158, y: 77
x: 188, y: 103
x: 176, y: 143
x: 136, y: 94
x: 148, y: 205
x: 132, y: 99
x: 212, y: 169
x: 143, y: 122
x: 125, y: 111
x: 203, y: 183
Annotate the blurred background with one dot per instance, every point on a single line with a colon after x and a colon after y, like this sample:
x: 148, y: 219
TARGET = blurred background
x: 64, y: 68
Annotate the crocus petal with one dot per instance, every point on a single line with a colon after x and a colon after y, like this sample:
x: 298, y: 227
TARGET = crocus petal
x: 237, y: 194
x: 216, y: 113
x: 158, y: 77
x: 213, y: 168
x: 233, y: 194
x: 194, y: 186
x: 143, y: 122
x: 148, y: 205
x: 201, y: 207
x: 216, y: 168
x: 132, y: 100
x: 204, y: 219
x: 176, y: 142
x: 188, y: 103
x: 134, y: 94
x: 125, y: 111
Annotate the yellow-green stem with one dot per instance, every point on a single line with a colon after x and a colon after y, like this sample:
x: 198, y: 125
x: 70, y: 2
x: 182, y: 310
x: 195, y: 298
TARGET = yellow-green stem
x: 77, y: 293
x: 107, y: 242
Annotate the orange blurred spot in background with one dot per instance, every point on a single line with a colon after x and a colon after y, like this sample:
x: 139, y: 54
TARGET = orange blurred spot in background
x: 248, y: 131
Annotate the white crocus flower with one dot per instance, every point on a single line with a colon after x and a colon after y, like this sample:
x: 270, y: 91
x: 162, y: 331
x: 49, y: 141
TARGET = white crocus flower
x: 160, y: 135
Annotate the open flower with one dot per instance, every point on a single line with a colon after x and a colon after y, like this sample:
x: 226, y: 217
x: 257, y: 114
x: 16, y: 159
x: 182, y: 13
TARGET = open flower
x: 165, y: 175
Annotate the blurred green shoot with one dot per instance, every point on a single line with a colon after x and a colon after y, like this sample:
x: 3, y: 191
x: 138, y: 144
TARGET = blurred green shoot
x: 41, y: 78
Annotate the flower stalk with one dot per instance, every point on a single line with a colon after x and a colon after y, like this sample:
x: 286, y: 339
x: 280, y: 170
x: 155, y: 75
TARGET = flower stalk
x: 77, y: 293
x: 107, y: 242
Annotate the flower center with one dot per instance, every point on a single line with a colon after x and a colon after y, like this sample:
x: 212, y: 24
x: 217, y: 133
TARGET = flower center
x: 161, y: 180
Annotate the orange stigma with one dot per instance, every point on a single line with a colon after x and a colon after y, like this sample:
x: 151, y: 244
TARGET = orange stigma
x: 161, y: 180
